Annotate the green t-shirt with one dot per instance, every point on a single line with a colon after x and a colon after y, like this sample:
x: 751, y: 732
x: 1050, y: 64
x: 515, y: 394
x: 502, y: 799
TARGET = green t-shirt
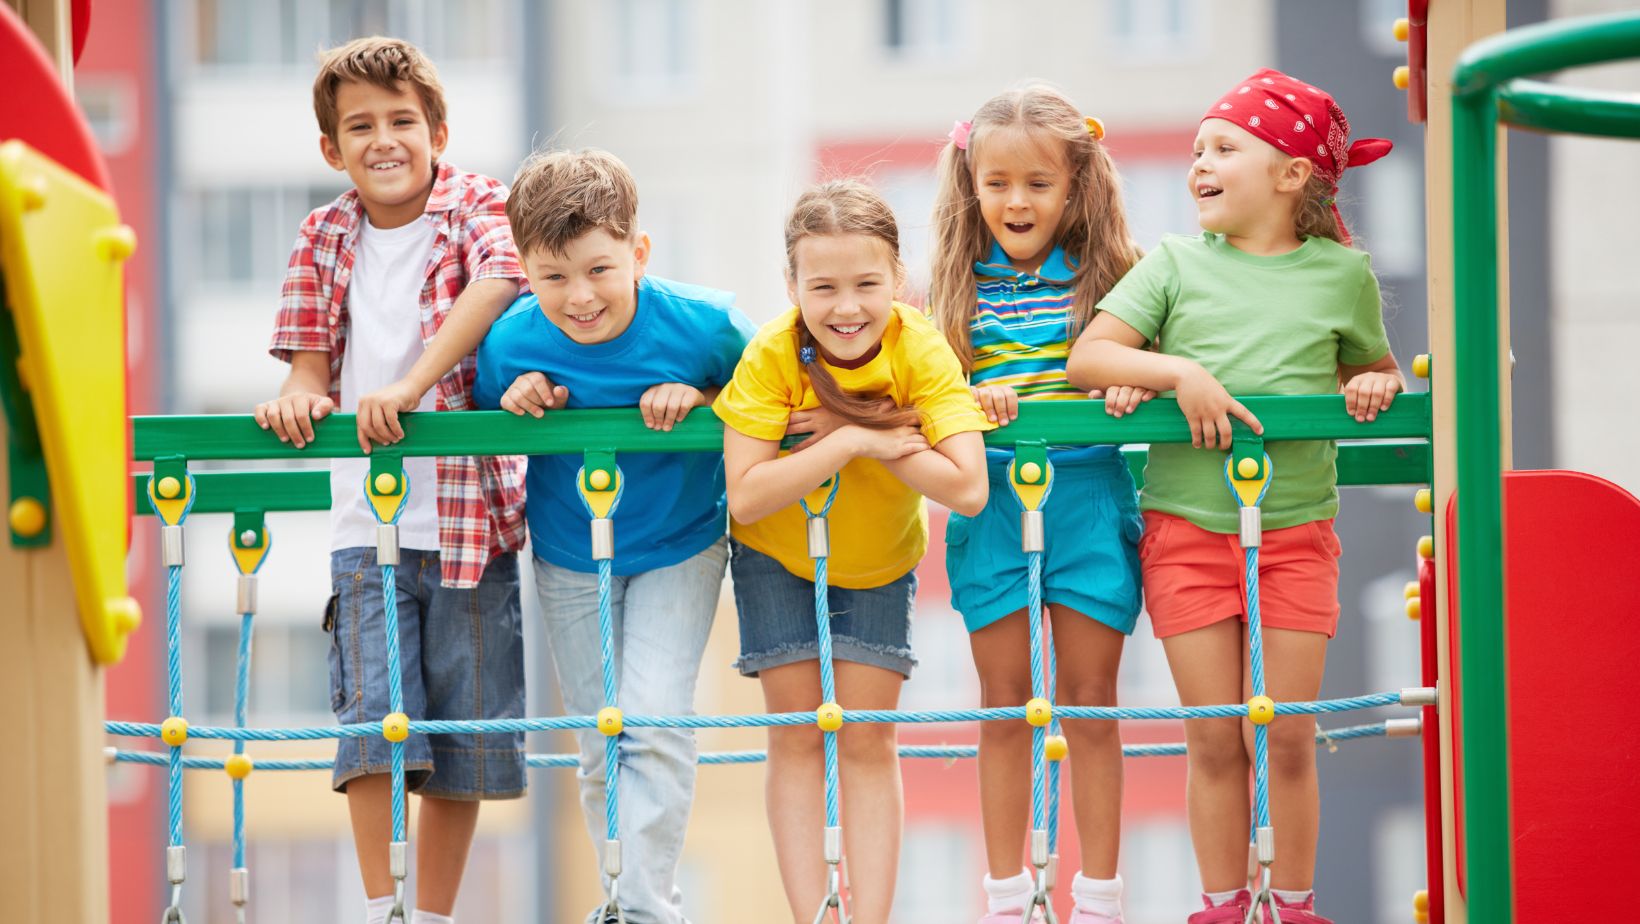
x: 1276, y: 325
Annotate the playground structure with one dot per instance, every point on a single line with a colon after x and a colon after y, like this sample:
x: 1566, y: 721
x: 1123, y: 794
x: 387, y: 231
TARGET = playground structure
x: 1510, y: 807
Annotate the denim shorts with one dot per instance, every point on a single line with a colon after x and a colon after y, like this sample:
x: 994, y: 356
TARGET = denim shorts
x: 461, y: 656
x: 777, y: 626
x: 1090, y: 561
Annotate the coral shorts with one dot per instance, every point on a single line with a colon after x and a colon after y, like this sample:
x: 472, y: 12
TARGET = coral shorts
x: 1194, y: 578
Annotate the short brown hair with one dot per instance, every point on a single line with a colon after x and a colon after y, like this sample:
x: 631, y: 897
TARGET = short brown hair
x: 383, y: 62
x: 558, y: 196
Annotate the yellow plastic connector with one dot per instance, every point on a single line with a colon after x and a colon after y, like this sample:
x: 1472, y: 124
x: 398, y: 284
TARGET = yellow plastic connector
x: 1415, y: 609
x: 1426, y: 547
x: 1402, y: 29
x: 238, y: 766
x: 174, y: 731
x: 829, y: 717
x: 1411, y: 590
x: 27, y: 516
x: 1247, y: 468
x: 1420, y: 365
x: 610, y: 721
x: 1039, y: 712
x: 387, y: 483
x: 599, y: 480
x: 396, y: 727
x: 1030, y: 473
x: 1402, y: 77
x: 1261, y: 710
x: 1420, y: 906
x: 169, y: 487
x: 1057, y: 748
x: 1424, y: 500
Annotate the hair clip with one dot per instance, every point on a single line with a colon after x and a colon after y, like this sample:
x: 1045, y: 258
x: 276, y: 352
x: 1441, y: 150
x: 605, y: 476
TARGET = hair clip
x: 805, y: 354
x: 1096, y: 128
x: 959, y: 134
x: 1329, y: 202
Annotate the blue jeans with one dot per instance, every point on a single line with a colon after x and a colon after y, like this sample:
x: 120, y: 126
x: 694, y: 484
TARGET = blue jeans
x: 661, y: 621
x: 461, y: 656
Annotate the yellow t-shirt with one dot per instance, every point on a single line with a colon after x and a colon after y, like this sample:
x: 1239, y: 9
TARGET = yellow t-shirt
x: 879, y: 529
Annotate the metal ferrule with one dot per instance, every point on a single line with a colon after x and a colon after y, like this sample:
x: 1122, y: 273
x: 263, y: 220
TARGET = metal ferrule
x: 1030, y: 531
x: 170, y: 539
x: 819, y: 538
x: 397, y: 866
x: 176, y: 864
x: 1265, y: 838
x: 603, y: 538
x: 1053, y: 872
x: 111, y: 756
x: 612, y: 858
x: 834, y: 846
x: 247, y: 593
x: 1252, y: 528
x: 387, y: 544
x: 239, y: 886
x: 1039, y: 848
x: 1418, y: 696
x: 1404, y: 728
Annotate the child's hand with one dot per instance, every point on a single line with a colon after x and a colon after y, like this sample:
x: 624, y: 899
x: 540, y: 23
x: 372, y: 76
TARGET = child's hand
x: 1371, y: 392
x: 379, y: 414
x: 999, y: 402
x: 815, y: 423
x: 1208, y: 407
x: 886, y: 445
x: 291, y: 416
x: 534, y: 394
x: 1124, y: 399
x: 666, y: 404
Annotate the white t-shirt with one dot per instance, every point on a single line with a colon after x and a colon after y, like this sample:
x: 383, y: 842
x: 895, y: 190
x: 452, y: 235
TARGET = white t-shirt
x: 383, y: 342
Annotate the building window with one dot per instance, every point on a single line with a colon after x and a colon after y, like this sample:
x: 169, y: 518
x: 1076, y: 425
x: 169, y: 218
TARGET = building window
x: 110, y: 107
x: 1378, y: 26
x: 1389, y: 204
x: 289, y: 677
x: 925, y: 29
x: 1157, y: 28
x: 654, y: 44
x: 287, y: 34
x: 241, y: 236
x: 1158, y: 201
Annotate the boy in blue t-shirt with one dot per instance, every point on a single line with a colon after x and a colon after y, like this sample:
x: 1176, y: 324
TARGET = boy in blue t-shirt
x: 597, y: 332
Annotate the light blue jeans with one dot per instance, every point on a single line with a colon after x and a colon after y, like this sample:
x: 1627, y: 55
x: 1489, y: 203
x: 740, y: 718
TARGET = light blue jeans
x: 662, y: 619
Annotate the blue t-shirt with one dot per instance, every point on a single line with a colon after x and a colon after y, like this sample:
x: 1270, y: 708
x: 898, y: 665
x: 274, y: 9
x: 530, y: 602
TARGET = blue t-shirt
x: 673, y: 504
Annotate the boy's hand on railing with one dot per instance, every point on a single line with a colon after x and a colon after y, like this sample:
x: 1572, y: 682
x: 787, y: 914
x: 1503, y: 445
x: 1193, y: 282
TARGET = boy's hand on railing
x: 1208, y: 408
x: 668, y: 403
x: 378, y: 414
x: 534, y: 394
x: 291, y: 416
x: 1370, y: 392
x: 1123, y: 399
x: 999, y: 402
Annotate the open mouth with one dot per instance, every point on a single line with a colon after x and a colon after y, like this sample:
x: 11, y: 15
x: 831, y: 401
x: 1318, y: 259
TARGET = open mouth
x: 1207, y: 192
x: 846, y: 330
x: 586, y: 320
x: 386, y: 165
x: 1019, y: 227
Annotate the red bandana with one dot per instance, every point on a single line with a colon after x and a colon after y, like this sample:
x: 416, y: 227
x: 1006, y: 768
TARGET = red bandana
x: 1299, y: 120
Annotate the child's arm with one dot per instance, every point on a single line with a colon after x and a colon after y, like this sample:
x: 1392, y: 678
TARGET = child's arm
x: 952, y: 473
x: 534, y: 394
x: 302, y: 400
x: 1111, y: 353
x: 761, y: 481
x: 1371, y: 388
x: 475, y: 309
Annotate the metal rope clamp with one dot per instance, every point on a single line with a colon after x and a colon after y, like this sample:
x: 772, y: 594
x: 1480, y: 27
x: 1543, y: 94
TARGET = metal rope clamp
x: 248, y: 543
x: 171, y: 493
x: 176, y: 870
x: 600, y: 484
x: 387, y: 489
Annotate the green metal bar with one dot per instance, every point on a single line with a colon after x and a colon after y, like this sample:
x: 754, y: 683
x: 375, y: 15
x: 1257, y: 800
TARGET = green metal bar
x: 1548, y: 107
x: 561, y: 432
x: 1392, y: 462
x: 1544, y: 48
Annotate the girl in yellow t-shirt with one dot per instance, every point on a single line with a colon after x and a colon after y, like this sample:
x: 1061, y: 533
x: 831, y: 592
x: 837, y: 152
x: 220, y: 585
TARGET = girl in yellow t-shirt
x: 886, y: 402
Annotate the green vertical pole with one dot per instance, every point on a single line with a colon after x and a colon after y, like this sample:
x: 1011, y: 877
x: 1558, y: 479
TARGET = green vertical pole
x: 1480, y: 506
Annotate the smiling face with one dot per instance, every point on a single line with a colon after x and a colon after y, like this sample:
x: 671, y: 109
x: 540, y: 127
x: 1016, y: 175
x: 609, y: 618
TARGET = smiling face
x: 1242, y: 186
x: 590, y: 291
x: 386, y: 146
x: 844, y: 285
x: 1023, y: 183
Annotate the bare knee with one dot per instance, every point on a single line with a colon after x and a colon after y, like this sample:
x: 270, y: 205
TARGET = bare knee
x: 1292, y: 747
x: 795, y: 743
x: 1087, y: 691
x: 1001, y: 692
x: 1216, y: 748
x: 868, y: 743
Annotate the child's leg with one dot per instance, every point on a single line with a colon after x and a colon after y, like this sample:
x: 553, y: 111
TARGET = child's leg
x: 795, y: 787
x: 1293, y: 665
x: 1002, y: 655
x: 1207, y: 670
x: 1088, y: 653
x: 873, y: 809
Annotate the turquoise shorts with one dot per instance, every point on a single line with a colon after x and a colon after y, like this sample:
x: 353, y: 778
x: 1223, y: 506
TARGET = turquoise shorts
x: 1091, y: 526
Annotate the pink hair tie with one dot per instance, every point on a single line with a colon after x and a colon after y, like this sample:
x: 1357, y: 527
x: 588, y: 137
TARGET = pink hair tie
x: 959, y: 134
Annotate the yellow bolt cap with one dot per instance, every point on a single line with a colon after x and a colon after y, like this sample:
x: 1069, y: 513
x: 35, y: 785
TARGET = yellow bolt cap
x: 174, y: 731
x: 1039, y: 712
x: 1402, y: 29
x: 386, y: 483
x: 28, y: 517
x: 238, y: 766
x: 34, y: 193
x: 1057, y: 747
x: 1426, y: 547
x: 117, y: 243
x: 599, y: 480
x: 1030, y: 473
x: 127, y: 614
x: 396, y: 726
x: 1247, y: 468
x: 610, y: 721
x: 1424, y: 500
x: 829, y: 717
x: 1415, y: 608
x: 1261, y: 710
x: 1420, y: 365
x: 1420, y: 901
x: 1402, y: 77
x: 1411, y: 590
x: 169, y: 487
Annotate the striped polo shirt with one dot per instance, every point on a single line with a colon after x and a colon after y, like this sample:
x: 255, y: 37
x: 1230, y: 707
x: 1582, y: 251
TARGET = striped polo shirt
x: 1021, y: 334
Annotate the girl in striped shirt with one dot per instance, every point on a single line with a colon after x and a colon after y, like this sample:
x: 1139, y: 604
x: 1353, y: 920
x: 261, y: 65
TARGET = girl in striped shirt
x: 1029, y: 234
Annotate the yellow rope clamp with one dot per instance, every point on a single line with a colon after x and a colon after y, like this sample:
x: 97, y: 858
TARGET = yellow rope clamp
x: 1261, y: 710
x: 610, y: 721
x: 829, y: 717
x: 238, y: 766
x: 174, y: 731
x: 1039, y: 712
x: 396, y: 726
x: 1057, y: 748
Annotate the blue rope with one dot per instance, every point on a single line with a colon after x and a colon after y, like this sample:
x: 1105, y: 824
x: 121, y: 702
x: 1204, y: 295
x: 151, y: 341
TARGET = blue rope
x: 612, y: 747
x: 1261, y: 733
x: 1039, y: 734
x: 395, y: 692
x: 240, y: 699
x: 173, y: 681
x: 822, y: 625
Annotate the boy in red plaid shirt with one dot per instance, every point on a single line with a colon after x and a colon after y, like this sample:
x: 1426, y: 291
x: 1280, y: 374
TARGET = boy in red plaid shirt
x: 389, y: 290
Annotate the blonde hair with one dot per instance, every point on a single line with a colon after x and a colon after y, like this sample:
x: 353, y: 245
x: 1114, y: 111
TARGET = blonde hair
x: 1093, y: 233
x: 558, y: 196
x: 1315, y: 216
x: 380, y: 61
x: 845, y: 206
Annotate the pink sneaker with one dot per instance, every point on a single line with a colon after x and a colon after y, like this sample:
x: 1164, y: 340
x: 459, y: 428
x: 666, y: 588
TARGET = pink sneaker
x: 1300, y: 913
x: 1232, y: 912
x: 1078, y: 916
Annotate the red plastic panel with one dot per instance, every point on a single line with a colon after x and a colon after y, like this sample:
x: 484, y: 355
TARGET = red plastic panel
x: 37, y: 109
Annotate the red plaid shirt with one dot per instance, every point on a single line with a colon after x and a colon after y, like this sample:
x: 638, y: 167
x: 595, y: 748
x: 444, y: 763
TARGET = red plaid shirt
x: 480, y: 499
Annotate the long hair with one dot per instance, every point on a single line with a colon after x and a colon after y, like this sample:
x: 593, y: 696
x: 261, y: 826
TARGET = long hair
x: 1316, y: 215
x: 844, y: 206
x: 1093, y: 231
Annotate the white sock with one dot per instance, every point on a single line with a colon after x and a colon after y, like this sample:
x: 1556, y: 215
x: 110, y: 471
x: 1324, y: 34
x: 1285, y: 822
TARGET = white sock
x: 376, y: 910
x: 1221, y: 898
x: 1011, y: 894
x: 428, y: 917
x: 1098, y: 896
x: 1293, y: 897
